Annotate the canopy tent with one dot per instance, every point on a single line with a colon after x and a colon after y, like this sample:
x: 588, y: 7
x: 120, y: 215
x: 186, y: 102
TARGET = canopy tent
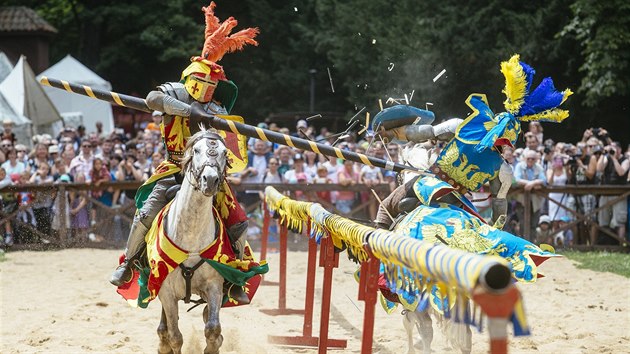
x: 26, y: 98
x: 5, y: 66
x: 93, y: 110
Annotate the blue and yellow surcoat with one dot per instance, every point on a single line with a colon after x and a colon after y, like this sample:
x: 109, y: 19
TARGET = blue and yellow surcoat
x: 470, y: 159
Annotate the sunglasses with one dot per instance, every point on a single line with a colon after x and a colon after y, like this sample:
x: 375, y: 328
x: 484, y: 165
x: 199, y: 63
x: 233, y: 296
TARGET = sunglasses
x: 6, y: 146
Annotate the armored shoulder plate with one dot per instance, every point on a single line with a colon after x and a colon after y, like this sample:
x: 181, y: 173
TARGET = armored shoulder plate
x: 177, y: 91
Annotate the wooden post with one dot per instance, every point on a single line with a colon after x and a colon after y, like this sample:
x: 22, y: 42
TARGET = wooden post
x: 527, y: 216
x: 63, y: 207
x: 328, y: 259
x: 368, y: 292
x: 282, y: 286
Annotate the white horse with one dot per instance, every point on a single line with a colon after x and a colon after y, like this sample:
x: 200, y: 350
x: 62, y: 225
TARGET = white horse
x: 191, y: 226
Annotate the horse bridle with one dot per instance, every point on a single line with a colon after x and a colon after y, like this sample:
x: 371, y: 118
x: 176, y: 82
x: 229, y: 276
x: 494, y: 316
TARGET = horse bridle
x: 213, y: 151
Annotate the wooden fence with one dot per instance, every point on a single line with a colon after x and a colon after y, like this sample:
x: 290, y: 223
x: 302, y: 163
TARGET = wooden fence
x: 125, y: 212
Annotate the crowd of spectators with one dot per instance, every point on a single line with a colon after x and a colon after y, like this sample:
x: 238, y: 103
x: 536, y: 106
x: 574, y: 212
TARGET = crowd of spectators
x: 596, y: 159
x: 75, y: 155
x: 96, y: 157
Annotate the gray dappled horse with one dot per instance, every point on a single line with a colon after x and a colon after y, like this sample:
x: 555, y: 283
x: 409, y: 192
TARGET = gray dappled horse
x: 189, y: 227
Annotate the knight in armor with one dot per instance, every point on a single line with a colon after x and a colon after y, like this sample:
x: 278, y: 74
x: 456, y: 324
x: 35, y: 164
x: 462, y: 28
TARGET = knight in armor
x: 203, y: 87
x: 472, y: 156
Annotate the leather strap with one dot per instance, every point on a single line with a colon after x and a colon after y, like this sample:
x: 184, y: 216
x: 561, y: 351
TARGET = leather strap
x: 187, y: 273
x: 446, y: 178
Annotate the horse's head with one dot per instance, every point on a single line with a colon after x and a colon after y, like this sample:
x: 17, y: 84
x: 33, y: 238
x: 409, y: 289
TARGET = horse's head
x: 205, y: 161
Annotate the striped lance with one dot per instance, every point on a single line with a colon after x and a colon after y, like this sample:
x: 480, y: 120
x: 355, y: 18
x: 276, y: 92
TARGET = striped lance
x: 237, y: 128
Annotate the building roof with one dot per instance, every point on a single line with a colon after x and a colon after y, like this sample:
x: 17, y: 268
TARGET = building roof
x: 22, y: 19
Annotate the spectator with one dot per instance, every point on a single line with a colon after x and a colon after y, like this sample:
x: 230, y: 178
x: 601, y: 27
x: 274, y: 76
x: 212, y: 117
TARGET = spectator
x: 284, y: 157
x: 298, y: 167
x: 322, y: 178
x: 61, y: 170
x: 300, y: 129
x: 558, y: 175
x: 564, y: 238
x: 156, y: 159
x: 256, y: 168
x: 537, y: 130
x: 39, y: 157
x: 79, y: 218
x: 614, y: 169
x: 156, y: 121
x: 83, y: 162
x: 107, y: 149
x: 22, y: 153
x: 583, y: 165
x: 530, y: 175
x: 347, y: 177
x: 12, y: 165
x: 7, y: 133
x: 311, y: 164
x: 5, y: 145
x: 531, y: 142
x: 272, y: 175
x: 370, y: 176
x: 543, y: 231
x: 99, y: 174
x: 509, y: 157
x: 8, y: 205
x: 128, y: 172
x: 25, y: 198
x: 42, y: 204
x: 53, y: 154
x: 332, y: 166
x: 142, y: 163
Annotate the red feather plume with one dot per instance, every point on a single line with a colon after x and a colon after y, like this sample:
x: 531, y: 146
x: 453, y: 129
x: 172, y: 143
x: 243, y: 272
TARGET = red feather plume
x: 219, y: 41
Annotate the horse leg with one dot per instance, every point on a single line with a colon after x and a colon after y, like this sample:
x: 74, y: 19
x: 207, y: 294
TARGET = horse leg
x: 214, y: 339
x: 169, y: 308
x: 162, y: 331
x: 425, y: 328
x: 409, y: 319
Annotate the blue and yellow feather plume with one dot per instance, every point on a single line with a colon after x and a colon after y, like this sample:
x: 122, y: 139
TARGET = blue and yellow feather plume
x: 541, y: 103
x: 516, y: 84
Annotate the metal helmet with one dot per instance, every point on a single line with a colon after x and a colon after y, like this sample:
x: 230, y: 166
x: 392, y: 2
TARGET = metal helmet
x: 201, y: 78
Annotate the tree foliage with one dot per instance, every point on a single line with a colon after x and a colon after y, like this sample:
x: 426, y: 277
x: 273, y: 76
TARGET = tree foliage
x: 602, y: 28
x: 372, y: 49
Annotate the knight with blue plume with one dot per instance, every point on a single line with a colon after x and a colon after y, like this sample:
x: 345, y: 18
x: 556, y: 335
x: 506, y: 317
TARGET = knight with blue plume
x: 472, y: 155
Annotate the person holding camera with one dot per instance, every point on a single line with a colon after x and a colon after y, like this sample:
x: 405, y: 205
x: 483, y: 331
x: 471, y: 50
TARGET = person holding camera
x: 558, y: 174
x: 583, y: 167
x: 614, y: 169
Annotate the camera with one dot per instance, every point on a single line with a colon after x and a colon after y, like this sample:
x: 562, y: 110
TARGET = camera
x: 595, y: 131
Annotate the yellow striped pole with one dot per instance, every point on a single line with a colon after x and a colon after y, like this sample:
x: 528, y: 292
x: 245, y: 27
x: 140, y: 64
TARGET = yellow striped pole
x: 111, y: 97
x: 237, y: 128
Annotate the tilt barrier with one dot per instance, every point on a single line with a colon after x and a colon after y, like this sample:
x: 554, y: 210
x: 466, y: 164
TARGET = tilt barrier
x: 406, y: 262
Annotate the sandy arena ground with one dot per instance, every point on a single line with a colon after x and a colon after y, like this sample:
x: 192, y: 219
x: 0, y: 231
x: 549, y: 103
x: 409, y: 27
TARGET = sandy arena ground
x: 61, y: 302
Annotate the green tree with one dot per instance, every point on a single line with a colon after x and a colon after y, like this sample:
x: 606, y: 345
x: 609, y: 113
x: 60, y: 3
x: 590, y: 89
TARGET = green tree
x: 603, y: 31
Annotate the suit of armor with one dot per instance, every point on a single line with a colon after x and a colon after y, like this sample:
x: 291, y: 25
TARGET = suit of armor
x: 203, y: 86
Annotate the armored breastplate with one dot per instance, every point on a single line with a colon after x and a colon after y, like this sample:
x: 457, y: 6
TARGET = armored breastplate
x: 471, y: 158
x: 175, y: 129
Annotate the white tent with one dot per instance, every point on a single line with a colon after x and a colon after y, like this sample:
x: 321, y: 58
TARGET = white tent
x: 5, y: 66
x: 93, y: 110
x: 26, y: 97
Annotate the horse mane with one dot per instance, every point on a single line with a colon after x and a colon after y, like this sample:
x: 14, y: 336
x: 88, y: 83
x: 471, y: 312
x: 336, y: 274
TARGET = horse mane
x: 201, y: 134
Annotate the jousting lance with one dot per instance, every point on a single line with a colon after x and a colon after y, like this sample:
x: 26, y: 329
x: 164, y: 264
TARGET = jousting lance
x: 237, y: 128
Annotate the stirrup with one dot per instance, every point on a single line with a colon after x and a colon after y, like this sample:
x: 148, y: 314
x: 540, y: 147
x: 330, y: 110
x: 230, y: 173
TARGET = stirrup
x: 236, y: 292
x: 122, y: 275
